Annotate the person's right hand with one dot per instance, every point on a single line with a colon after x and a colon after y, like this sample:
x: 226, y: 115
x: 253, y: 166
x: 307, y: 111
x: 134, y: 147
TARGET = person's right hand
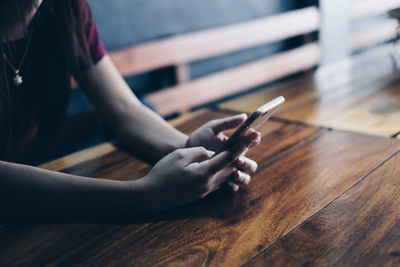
x: 189, y: 174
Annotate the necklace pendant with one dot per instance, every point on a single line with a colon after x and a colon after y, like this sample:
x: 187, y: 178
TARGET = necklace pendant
x: 17, y: 79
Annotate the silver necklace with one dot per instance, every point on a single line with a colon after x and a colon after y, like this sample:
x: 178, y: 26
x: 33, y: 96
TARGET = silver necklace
x: 18, y: 77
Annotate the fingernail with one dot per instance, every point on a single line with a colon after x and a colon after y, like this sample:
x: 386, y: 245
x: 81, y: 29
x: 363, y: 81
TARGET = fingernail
x: 235, y: 188
x: 240, y: 160
x: 243, y: 115
x: 247, y: 179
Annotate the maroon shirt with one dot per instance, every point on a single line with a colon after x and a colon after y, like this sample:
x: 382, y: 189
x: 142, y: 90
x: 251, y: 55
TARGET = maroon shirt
x: 27, y: 129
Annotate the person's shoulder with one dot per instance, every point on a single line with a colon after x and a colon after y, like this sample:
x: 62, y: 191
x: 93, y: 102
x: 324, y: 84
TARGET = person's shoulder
x: 95, y: 46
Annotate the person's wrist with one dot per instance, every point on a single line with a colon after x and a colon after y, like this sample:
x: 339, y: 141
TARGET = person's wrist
x: 142, y: 195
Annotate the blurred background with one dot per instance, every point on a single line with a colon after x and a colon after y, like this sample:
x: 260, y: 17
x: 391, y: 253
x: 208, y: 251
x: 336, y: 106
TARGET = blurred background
x: 182, y: 55
x: 125, y: 23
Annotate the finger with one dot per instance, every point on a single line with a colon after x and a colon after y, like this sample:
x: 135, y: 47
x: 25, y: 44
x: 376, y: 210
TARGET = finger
x: 225, y: 174
x: 246, y: 165
x: 232, y: 187
x: 228, y: 156
x: 223, y: 124
x: 257, y: 141
x: 240, y: 178
x: 193, y: 154
x: 222, y: 138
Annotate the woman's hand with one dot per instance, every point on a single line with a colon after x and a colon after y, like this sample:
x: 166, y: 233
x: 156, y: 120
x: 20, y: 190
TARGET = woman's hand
x: 211, y: 137
x: 189, y: 174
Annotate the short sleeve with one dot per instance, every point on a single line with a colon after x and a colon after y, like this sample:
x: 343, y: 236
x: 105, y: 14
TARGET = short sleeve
x: 95, y: 46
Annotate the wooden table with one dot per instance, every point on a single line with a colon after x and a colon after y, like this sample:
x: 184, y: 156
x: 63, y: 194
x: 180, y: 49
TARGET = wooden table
x: 320, y: 197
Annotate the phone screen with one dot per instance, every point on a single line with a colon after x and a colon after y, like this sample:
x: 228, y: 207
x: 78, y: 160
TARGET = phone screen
x: 254, y: 121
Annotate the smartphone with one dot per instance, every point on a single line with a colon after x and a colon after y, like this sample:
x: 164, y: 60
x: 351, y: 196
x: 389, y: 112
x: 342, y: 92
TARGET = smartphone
x: 254, y: 121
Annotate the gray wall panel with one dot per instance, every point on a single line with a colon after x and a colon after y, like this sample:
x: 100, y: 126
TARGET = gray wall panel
x: 126, y: 22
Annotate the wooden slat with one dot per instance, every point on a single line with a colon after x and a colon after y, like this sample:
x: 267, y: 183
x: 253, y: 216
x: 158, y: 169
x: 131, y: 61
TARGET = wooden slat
x: 215, y: 42
x: 375, y: 34
x: 369, y: 8
x: 183, y: 97
x: 302, y: 170
x: 361, y: 228
x: 182, y: 73
x: 79, y: 157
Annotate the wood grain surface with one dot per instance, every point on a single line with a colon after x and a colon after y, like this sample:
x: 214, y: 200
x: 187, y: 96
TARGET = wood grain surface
x: 360, y: 228
x: 78, y: 157
x: 301, y: 170
x: 363, y: 98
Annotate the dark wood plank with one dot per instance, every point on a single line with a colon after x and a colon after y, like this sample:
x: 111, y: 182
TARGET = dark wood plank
x: 301, y: 169
x: 117, y: 165
x: 360, y: 228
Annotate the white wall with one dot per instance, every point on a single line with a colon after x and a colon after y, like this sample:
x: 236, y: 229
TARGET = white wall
x: 334, y: 35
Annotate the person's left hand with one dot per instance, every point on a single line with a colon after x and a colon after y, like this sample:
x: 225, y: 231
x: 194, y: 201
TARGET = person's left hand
x: 211, y: 137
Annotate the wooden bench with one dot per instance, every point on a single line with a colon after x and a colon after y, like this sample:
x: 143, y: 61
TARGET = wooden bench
x: 181, y: 50
x: 380, y: 32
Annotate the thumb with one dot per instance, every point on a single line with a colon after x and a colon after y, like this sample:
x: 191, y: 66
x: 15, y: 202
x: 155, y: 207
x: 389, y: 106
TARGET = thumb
x: 223, y: 124
x: 193, y: 154
x: 227, y: 157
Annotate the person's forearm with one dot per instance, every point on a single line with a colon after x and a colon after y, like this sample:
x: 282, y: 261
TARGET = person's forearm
x: 146, y: 132
x: 32, y: 192
x: 136, y: 125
